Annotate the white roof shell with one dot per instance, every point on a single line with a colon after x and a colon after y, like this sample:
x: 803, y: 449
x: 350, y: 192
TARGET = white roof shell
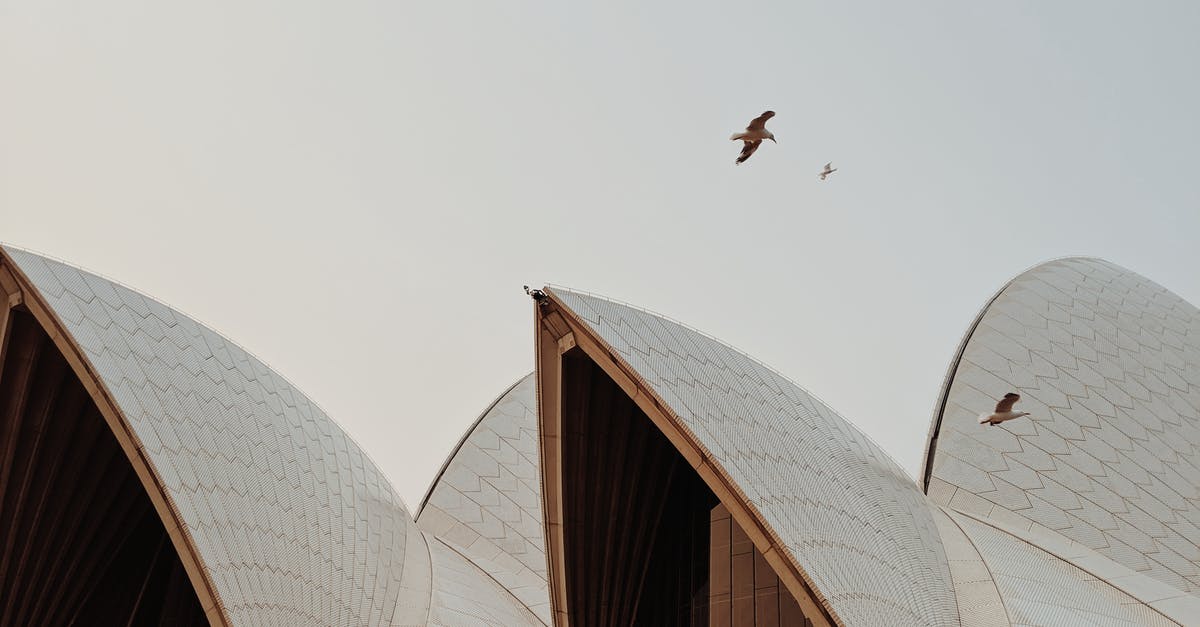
x: 486, y: 503
x: 1086, y: 512
x: 292, y: 523
x: 1108, y: 363
x: 852, y: 520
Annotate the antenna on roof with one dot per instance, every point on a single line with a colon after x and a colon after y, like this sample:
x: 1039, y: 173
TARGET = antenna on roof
x: 537, y: 295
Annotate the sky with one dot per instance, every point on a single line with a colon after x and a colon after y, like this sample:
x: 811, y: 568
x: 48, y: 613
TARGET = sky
x: 356, y: 191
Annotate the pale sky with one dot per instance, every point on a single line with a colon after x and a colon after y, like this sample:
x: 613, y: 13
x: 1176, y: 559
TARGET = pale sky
x: 356, y: 191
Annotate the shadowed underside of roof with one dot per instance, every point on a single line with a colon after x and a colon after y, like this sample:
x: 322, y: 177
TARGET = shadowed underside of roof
x: 284, y: 518
x: 80, y: 541
x: 230, y: 497
x: 845, y: 515
x: 280, y: 517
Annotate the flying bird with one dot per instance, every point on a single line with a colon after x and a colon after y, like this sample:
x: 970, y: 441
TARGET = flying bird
x: 827, y: 171
x: 1004, y: 411
x: 754, y: 135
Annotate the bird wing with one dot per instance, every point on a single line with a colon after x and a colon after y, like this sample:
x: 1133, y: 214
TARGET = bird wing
x: 1006, y: 403
x: 828, y: 165
x: 760, y: 122
x: 748, y: 149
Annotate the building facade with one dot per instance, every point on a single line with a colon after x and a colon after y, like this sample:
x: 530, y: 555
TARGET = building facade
x: 154, y: 472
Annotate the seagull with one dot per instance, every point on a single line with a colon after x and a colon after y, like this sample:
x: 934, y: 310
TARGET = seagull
x: 827, y: 171
x: 1004, y: 411
x: 754, y: 135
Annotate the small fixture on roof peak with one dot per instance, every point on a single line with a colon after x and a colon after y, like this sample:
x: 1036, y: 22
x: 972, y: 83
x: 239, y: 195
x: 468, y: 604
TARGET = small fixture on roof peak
x: 537, y: 295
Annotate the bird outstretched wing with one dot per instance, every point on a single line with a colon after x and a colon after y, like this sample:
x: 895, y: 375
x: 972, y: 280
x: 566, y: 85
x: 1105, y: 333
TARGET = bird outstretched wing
x: 1006, y: 403
x: 760, y: 122
x: 828, y: 166
x: 748, y: 149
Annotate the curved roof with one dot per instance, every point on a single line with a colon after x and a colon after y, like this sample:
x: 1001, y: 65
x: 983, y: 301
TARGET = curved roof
x: 462, y: 594
x: 979, y: 602
x: 1108, y: 363
x: 1041, y: 589
x: 486, y: 503
x: 291, y: 522
x: 851, y: 520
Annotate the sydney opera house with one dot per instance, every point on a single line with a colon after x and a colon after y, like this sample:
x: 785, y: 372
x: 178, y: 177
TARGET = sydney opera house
x: 154, y: 472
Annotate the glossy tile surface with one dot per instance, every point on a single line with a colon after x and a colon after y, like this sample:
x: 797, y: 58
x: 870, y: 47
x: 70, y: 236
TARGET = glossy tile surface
x: 1108, y: 363
x: 292, y: 521
x: 486, y: 503
x: 1040, y: 589
x: 852, y: 519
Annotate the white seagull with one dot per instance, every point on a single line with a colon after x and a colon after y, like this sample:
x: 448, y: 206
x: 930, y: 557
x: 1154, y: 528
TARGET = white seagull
x: 1004, y: 411
x: 754, y: 135
x: 827, y: 171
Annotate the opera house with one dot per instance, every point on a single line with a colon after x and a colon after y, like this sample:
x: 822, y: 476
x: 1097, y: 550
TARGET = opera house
x: 154, y: 472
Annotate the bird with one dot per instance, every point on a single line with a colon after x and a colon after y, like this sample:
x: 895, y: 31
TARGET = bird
x: 537, y: 295
x: 827, y: 171
x: 754, y: 135
x: 1004, y: 411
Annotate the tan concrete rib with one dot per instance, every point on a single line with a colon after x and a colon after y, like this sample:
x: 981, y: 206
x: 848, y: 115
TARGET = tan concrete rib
x: 131, y: 445
x: 765, y: 539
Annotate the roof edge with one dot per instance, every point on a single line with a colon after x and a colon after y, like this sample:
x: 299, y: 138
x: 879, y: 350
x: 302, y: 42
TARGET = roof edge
x: 939, y: 409
x: 190, y: 554
x: 773, y: 370
x: 705, y: 457
x: 463, y: 440
x: 429, y: 537
x: 5, y: 247
x: 1143, y: 588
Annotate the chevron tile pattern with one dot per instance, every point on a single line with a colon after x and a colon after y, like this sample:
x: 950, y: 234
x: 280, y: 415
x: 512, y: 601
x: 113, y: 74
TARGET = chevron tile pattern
x: 1041, y: 590
x: 487, y: 502
x: 979, y: 602
x: 294, y: 523
x: 1108, y: 363
x: 1088, y: 512
x: 854, y: 521
x: 465, y: 596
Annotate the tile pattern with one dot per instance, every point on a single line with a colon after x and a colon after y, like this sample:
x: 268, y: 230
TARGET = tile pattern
x: 291, y: 519
x: 1155, y: 596
x: 979, y: 603
x: 1041, y: 590
x: 1108, y: 363
x: 487, y: 503
x: 463, y: 595
x: 853, y: 520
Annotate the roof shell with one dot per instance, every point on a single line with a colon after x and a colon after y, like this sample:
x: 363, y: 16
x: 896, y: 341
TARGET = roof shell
x: 463, y: 594
x: 486, y: 502
x: 1108, y: 363
x: 1038, y: 588
x: 849, y: 517
x: 291, y: 520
